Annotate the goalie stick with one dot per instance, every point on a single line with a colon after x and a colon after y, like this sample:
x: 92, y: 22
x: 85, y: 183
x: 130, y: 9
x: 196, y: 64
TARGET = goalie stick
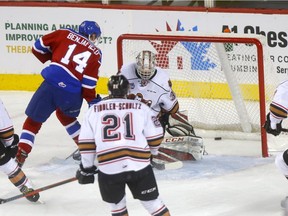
x: 163, y: 161
x: 38, y: 190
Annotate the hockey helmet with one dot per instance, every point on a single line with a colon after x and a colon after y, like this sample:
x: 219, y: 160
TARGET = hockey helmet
x: 118, y: 86
x: 90, y: 30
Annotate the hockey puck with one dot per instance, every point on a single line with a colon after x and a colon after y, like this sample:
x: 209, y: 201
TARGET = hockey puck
x: 218, y: 138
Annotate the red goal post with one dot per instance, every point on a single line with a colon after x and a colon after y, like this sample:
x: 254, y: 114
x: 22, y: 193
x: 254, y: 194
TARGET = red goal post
x: 222, y: 81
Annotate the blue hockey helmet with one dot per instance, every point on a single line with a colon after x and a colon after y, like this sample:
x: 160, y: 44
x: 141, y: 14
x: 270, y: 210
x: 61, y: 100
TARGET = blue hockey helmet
x: 91, y: 30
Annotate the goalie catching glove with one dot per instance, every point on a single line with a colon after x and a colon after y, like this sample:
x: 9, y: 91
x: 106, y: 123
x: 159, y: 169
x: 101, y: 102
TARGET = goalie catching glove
x: 177, y: 125
x: 86, y: 175
x: 272, y: 128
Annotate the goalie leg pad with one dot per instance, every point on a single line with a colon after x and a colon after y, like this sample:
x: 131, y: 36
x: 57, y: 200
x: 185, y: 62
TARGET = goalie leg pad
x: 183, y: 148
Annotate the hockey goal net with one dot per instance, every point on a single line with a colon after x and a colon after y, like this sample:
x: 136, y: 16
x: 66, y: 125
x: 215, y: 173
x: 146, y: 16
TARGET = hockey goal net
x: 224, y: 83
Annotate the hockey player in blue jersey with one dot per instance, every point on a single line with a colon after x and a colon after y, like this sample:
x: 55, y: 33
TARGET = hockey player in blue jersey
x: 70, y: 77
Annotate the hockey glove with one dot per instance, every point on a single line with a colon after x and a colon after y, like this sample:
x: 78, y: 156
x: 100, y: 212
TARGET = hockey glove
x: 21, y: 156
x: 86, y: 175
x: 268, y: 128
x: 95, y: 100
x: 13, y: 148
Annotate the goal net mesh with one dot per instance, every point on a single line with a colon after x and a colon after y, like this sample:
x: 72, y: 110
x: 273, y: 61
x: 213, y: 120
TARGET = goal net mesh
x: 215, y: 78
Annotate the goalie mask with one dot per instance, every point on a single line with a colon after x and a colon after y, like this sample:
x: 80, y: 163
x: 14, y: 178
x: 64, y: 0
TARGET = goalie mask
x: 145, y: 64
x: 90, y: 30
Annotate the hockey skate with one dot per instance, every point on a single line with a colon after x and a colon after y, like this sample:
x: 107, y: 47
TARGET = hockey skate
x: 31, y: 198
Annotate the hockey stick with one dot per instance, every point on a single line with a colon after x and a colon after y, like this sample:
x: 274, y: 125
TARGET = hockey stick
x: 37, y: 190
x: 71, y: 155
x: 164, y: 161
x: 166, y: 166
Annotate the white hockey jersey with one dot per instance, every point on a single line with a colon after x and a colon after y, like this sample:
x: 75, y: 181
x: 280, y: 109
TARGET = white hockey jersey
x: 122, y: 133
x: 6, y: 126
x: 156, y: 91
x: 279, y: 104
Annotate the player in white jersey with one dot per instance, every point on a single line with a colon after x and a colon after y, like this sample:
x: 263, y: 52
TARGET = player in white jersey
x: 122, y: 133
x: 152, y: 85
x: 277, y: 113
x: 8, y: 149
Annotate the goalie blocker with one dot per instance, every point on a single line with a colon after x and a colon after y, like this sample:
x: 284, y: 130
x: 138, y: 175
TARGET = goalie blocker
x: 184, y: 144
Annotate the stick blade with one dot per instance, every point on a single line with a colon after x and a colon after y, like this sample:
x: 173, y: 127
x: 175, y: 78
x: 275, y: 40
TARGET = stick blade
x: 164, y: 165
x: 174, y: 165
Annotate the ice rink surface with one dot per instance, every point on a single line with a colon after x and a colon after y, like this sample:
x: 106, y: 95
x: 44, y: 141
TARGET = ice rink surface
x: 231, y: 180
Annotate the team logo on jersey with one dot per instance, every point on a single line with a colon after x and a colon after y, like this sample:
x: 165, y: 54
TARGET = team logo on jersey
x: 156, y: 121
x: 172, y: 96
x: 144, y: 82
x: 61, y: 84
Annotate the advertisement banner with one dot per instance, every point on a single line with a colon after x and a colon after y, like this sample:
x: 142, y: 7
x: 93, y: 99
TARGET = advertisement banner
x: 19, y: 32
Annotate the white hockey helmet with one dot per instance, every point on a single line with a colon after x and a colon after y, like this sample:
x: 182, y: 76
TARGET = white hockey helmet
x: 145, y: 64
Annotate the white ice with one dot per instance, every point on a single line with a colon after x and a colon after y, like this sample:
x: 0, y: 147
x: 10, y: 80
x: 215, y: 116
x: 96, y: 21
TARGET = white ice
x: 232, y: 180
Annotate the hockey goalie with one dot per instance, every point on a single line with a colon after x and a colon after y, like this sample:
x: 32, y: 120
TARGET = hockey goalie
x: 152, y: 86
x: 181, y: 142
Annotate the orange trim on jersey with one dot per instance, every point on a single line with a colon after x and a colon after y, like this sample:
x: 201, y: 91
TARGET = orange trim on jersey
x: 123, y: 153
x: 155, y: 143
x: 86, y: 146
